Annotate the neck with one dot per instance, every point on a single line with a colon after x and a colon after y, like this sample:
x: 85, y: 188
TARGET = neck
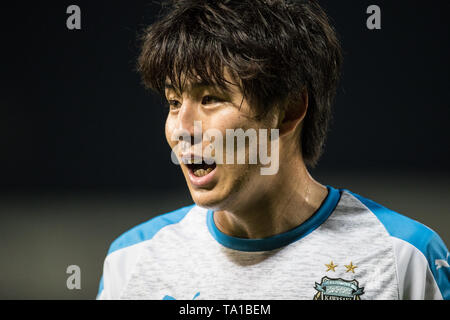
x: 291, y: 197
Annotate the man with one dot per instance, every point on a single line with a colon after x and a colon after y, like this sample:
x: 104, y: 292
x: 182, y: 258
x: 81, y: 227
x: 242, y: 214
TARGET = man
x: 268, y: 67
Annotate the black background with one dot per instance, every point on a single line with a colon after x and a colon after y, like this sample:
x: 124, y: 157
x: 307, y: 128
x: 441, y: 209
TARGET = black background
x: 82, y: 150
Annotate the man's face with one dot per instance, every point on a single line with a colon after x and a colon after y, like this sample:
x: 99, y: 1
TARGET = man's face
x: 217, y: 185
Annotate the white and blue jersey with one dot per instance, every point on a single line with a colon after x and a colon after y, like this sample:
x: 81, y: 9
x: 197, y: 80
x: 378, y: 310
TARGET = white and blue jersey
x: 351, y: 248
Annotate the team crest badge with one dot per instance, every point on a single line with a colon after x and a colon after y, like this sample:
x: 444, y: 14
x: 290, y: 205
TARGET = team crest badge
x: 338, y: 289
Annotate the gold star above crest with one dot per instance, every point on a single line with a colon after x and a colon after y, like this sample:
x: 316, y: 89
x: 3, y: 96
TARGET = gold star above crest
x: 331, y: 266
x: 350, y: 267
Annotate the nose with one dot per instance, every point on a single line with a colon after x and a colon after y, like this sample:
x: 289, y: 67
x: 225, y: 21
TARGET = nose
x: 187, y: 116
x: 188, y: 122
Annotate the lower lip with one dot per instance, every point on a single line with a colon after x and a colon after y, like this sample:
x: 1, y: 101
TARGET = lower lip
x: 201, y: 181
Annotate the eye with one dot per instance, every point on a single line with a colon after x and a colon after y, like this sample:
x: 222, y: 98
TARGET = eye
x: 210, y: 99
x: 174, y: 104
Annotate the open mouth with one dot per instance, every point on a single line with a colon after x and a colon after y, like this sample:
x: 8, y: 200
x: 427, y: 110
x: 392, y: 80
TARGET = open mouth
x: 201, y: 169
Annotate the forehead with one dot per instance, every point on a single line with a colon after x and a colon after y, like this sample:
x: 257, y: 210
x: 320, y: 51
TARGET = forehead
x: 189, y: 82
x: 188, y: 85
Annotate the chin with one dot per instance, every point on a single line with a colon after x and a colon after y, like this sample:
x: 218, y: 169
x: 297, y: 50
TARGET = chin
x: 226, y: 190
x: 209, y: 199
x: 220, y: 197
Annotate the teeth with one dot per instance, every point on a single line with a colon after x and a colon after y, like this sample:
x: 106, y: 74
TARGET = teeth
x: 202, y: 172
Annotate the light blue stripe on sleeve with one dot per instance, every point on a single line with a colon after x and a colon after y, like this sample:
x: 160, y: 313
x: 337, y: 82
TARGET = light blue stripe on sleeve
x: 420, y: 236
x: 145, y: 231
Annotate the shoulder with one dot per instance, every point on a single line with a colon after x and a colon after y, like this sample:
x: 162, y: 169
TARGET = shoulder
x: 414, y: 244
x: 147, y: 230
x: 124, y: 252
x: 401, y: 226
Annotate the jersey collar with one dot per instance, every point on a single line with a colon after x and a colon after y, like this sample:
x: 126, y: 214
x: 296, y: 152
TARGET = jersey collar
x: 279, y: 240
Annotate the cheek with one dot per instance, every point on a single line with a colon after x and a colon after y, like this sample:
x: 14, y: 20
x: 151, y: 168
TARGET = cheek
x: 229, y: 119
x: 169, y: 130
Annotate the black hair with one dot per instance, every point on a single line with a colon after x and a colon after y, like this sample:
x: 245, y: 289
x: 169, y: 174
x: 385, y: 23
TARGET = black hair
x: 274, y: 49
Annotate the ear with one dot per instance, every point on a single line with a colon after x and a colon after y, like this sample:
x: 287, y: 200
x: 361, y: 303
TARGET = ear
x: 294, y: 113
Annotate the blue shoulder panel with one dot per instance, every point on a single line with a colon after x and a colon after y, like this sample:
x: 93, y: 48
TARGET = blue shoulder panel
x: 420, y: 236
x: 146, y: 231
